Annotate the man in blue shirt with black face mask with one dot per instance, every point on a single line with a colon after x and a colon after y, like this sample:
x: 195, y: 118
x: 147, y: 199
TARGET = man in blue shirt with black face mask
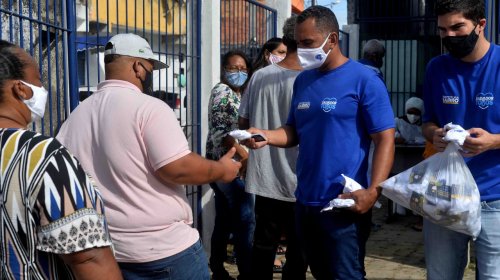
x: 338, y: 107
x: 461, y: 87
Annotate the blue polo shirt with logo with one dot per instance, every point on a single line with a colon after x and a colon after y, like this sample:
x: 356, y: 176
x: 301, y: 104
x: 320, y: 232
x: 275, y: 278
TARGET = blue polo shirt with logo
x: 468, y: 94
x: 334, y: 114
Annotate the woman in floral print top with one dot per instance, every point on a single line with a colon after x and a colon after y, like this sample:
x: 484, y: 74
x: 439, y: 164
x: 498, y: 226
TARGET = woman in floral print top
x: 224, y: 104
x: 233, y: 206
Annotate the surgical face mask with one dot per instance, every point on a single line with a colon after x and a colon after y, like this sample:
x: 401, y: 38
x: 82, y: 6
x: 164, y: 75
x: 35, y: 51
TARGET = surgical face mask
x: 413, y: 118
x: 236, y: 79
x: 313, y: 58
x: 37, y: 102
x: 461, y: 46
x: 273, y: 59
x: 147, y: 83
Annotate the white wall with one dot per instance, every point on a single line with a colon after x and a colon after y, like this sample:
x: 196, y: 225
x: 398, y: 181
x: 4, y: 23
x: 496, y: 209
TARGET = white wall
x: 210, y: 69
x: 353, y: 30
x: 284, y: 8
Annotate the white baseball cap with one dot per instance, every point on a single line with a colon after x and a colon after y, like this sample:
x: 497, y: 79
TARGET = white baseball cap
x: 133, y: 45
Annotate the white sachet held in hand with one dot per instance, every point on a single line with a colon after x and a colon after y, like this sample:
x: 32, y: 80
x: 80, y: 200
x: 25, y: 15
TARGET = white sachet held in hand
x: 349, y: 186
x: 455, y: 133
x: 240, y: 134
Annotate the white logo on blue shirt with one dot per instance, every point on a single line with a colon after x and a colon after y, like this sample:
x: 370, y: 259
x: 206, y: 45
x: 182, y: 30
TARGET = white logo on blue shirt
x: 453, y: 100
x: 328, y: 104
x: 484, y: 100
x: 303, y: 105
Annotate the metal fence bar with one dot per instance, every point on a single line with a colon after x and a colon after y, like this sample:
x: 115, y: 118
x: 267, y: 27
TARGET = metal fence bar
x: 408, y: 30
x: 39, y: 28
x: 65, y: 46
x: 246, y: 25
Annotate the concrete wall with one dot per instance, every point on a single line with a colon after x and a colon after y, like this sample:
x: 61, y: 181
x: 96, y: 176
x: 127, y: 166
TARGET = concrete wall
x: 210, y: 69
x: 284, y: 8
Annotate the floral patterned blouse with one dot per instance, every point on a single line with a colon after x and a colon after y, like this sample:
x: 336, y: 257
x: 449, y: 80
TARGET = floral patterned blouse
x: 222, y: 118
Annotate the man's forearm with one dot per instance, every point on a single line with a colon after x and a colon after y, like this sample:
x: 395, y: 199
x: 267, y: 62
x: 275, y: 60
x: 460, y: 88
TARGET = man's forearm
x: 383, y: 158
x: 283, y: 137
x: 191, y: 169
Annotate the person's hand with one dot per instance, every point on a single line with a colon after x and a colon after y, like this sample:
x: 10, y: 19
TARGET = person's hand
x: 479, y: 141
x: 231, y: 167
x: 437, y: 140
x: 250, y: 143
x: 243, y: 169
x: 364, y: 199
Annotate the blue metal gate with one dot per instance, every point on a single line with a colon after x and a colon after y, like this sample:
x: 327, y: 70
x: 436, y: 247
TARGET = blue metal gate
x: 67, y: 38
x: 408, y: 30
x: 246, y: 25
x: 39, y: 27
x: 493, y: 21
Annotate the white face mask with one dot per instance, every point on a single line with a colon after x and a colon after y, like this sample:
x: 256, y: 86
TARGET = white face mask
x: 37, y: 102
x: 413, y: 118
x: 273, y: 59
x: 313, y: 58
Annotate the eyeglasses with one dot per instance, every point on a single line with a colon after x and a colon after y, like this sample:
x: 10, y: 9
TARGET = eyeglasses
x: 234, y: 69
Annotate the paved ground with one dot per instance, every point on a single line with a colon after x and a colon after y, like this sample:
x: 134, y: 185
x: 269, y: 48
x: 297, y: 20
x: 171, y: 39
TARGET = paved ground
x: 395, y: 251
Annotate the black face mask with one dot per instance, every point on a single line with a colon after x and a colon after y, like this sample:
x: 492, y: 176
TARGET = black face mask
x: 147, y: 83
x: 461, y: 46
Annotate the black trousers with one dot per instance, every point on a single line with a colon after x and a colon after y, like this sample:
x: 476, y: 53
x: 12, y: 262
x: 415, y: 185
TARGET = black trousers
x: 274, y: 217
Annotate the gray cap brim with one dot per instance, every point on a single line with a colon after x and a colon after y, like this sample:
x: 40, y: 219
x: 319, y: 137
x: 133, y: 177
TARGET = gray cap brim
x: 158, y: 64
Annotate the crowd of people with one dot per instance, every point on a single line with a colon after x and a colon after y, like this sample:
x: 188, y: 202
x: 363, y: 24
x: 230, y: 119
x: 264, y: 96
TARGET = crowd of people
x: 105, y: 198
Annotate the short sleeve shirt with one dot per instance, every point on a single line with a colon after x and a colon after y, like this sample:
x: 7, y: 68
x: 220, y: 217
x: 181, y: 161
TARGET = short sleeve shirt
x: 122, y: 136
x: 334, y: 113
x: 49, y: 207
x: 223, y: 108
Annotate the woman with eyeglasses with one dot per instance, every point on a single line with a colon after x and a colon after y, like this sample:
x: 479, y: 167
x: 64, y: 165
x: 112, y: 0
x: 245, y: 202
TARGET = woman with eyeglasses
x: 233, y: 206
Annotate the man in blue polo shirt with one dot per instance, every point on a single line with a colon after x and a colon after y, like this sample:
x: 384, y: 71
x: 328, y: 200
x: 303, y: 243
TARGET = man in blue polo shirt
x: 462, y: 87
x: 339, y: 106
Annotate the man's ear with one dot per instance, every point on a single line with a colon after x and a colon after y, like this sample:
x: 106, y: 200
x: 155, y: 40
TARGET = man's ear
x: 21, y: 91
x: 137, y: 68
x: 333, y: 38
x: 482, y: 24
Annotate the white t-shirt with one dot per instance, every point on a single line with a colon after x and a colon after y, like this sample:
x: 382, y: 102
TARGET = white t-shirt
x: 121, y: 137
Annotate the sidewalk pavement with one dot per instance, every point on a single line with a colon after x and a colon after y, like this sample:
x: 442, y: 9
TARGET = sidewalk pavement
x: 394, y: 251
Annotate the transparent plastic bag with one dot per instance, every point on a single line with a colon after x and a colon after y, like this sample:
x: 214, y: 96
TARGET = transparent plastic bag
x: 441, y: 189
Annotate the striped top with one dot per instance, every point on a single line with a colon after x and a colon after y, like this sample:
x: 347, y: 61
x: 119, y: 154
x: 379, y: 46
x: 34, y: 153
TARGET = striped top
x: 48, y: 206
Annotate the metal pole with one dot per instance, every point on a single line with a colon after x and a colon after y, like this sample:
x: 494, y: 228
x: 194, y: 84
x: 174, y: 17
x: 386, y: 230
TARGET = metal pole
x: 72, y: 62
x: 313, y: 2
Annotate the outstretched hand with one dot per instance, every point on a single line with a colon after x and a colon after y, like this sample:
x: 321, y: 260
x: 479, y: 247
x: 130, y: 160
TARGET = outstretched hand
x: 251, y: 143
x: 231, y: 166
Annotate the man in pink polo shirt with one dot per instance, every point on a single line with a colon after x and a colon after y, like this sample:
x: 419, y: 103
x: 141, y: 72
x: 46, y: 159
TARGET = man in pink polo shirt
x: 135, y: 150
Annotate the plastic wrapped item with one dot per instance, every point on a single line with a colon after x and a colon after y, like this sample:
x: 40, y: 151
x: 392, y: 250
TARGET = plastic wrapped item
x: 349, y: 186
x: 240, y: 134
x: 441, y: 189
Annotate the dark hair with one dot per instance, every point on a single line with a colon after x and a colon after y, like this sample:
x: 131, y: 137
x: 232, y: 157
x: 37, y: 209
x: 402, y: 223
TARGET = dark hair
x: 11, y: 66
x: 225, y: 62
x: 270, y: 45
x: 471, y: 9
x: 109, y: 58
x: 325, y: 19
x: 289, y: 34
